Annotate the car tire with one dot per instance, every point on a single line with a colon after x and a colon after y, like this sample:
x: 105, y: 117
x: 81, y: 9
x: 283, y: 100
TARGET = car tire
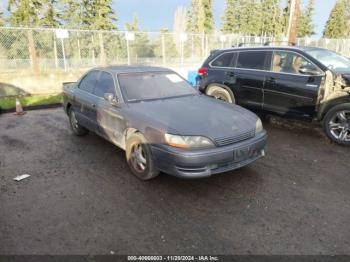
x: 221, y: 93
x: 336, y: 124
x: 139, y: 157
x: 77, y: 129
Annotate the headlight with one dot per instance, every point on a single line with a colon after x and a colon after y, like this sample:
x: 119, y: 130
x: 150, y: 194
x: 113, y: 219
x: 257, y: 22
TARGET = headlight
x: 258, y: 126
x: 188, y: 141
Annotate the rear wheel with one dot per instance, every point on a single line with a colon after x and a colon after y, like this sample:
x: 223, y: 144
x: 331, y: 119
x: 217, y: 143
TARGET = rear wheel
x: 336, y: 124
x: 139, y: 157
x: 77, y: 129
x: 221, y: 93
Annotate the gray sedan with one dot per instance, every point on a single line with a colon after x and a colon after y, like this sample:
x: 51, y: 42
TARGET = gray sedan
x: 162, y: 122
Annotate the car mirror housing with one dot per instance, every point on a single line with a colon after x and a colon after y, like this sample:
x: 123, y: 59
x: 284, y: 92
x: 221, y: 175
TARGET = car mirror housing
x: 309, y: 70
x: 111, y: 98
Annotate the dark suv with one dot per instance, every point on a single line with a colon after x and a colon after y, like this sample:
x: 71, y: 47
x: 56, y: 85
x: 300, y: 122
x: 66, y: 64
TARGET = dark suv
x: 298, y: 82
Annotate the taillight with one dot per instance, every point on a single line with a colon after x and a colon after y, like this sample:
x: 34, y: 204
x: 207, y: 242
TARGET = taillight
x: 202, y: 71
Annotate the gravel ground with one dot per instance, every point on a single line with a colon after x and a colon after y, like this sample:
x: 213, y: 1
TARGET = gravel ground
x: 82, y: 199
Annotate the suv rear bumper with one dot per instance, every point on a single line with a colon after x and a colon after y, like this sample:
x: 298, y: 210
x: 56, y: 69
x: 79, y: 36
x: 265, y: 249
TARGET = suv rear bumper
x: 206, y: 162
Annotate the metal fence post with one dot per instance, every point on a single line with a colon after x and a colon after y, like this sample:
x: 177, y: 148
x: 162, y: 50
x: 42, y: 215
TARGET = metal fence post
x: 163, y: 49
x: 64, y: 55
x: 79, y: 51
x: 93, y: 49
x: 102, y: 49
x: 128, y: 50
x: 55, y: 51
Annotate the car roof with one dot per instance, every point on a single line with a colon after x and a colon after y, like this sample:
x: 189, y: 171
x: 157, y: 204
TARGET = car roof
x: 117, y: 69
x: 262, y: 47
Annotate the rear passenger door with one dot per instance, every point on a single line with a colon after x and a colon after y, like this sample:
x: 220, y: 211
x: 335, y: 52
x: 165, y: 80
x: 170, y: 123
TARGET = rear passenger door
x: 289, y: 92
x: 220, y: 68
x: 111, y: 123
x: 248, y: 76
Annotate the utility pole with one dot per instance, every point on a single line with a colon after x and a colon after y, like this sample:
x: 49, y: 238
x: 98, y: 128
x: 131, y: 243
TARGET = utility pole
x: 293, y: 19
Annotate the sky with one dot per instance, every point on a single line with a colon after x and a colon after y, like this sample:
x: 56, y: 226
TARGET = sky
x: 155, y: 14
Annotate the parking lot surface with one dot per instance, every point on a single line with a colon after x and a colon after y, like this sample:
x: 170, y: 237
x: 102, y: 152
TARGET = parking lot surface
x: 81, y: 197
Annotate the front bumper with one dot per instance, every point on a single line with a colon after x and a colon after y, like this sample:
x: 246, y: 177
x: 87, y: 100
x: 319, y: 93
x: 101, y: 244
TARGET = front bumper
x: 206, y: 162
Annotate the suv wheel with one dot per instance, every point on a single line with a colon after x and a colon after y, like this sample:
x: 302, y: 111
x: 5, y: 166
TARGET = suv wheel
x: 77, y: 129
x: 336, y: 124
x: 139, y: 157
x: 221, y: 93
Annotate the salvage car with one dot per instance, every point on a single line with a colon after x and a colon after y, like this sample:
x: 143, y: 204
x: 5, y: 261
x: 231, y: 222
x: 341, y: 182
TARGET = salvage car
x: 300, y: 82
x: 162, y: 122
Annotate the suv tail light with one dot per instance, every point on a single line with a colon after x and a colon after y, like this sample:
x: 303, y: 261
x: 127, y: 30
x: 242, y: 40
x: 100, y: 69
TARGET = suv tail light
x: 202, y: 71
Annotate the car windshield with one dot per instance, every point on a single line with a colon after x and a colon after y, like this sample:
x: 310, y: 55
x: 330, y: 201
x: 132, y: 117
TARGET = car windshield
x: 332, y: 60
x: 153, y: 85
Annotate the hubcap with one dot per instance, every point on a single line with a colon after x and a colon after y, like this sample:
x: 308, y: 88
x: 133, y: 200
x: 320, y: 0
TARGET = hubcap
x: 339, y: 126
x: 74, y: 120
x: 138, y: 158
x: 221, y: 96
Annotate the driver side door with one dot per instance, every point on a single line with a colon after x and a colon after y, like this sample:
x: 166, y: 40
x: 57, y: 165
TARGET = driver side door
x: 289, y: 92
x: 111, y: 123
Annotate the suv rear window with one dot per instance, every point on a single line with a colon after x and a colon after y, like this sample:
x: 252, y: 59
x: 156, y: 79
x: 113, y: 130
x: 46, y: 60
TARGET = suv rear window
x: 252, y: 60
x: 224, y: 60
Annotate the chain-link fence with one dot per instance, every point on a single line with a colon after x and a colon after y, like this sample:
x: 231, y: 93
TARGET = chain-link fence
x: 46, y: 49
x: 56, y: 52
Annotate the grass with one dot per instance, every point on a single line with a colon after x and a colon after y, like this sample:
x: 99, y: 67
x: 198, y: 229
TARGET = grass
x: 33, y: 100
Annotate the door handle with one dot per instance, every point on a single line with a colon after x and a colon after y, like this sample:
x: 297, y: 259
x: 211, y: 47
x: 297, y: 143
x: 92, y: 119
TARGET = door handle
x: 271, y: 80
x: 231, y: 74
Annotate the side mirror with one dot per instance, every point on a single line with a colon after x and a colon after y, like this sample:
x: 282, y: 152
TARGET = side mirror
x: 309, y: 70
x: 111, y: 99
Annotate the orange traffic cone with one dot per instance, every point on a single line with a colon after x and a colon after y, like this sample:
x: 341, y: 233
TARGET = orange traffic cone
x: 19, y: 109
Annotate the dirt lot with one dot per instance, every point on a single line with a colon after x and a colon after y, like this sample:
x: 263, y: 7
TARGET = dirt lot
x: 82, y: 199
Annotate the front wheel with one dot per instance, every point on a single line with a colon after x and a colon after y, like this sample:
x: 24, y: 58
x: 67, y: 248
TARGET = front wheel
x: 221, y: 93
x: 336, y: 124
x: 139, y: 157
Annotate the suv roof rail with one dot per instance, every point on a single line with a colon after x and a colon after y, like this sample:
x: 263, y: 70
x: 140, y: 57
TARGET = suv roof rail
x: 271, y: 42
x: 265, y: 44
x: 242, y: 44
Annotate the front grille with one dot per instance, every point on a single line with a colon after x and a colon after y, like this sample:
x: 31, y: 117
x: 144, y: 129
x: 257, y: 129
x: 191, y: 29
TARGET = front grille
x: 234, y: 139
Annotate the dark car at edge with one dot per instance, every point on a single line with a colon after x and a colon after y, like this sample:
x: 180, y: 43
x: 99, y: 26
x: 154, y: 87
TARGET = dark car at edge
x: 162, y: 122
x: 305, y: 83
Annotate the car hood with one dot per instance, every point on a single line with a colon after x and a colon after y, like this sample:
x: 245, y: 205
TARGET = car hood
x: 197, y: 115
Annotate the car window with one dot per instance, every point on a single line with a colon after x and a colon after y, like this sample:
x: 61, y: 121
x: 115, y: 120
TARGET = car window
x: 224, y: 60
x: 332, y: 60
x: 89, y: 81
x: 289, y: 62
x: 105, y: 84
x: 153, y: 85
x: 252, y: 60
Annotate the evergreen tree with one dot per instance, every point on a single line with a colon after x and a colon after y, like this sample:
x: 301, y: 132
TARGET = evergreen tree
x: 73, y: 13
x: 305, y: 26
x: 285, y: 17
x: 336, y: 26
x: 169, y: 45
x: 99, y: 14
x: 229, y: 19
x: 200, y: 17
x: 25, y: 12
x: 192, y: 17
x: 51, y: 17
x: 205, y: 17
x: 2, y: 21
x: 141, y: 46
x: 271, y: 17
